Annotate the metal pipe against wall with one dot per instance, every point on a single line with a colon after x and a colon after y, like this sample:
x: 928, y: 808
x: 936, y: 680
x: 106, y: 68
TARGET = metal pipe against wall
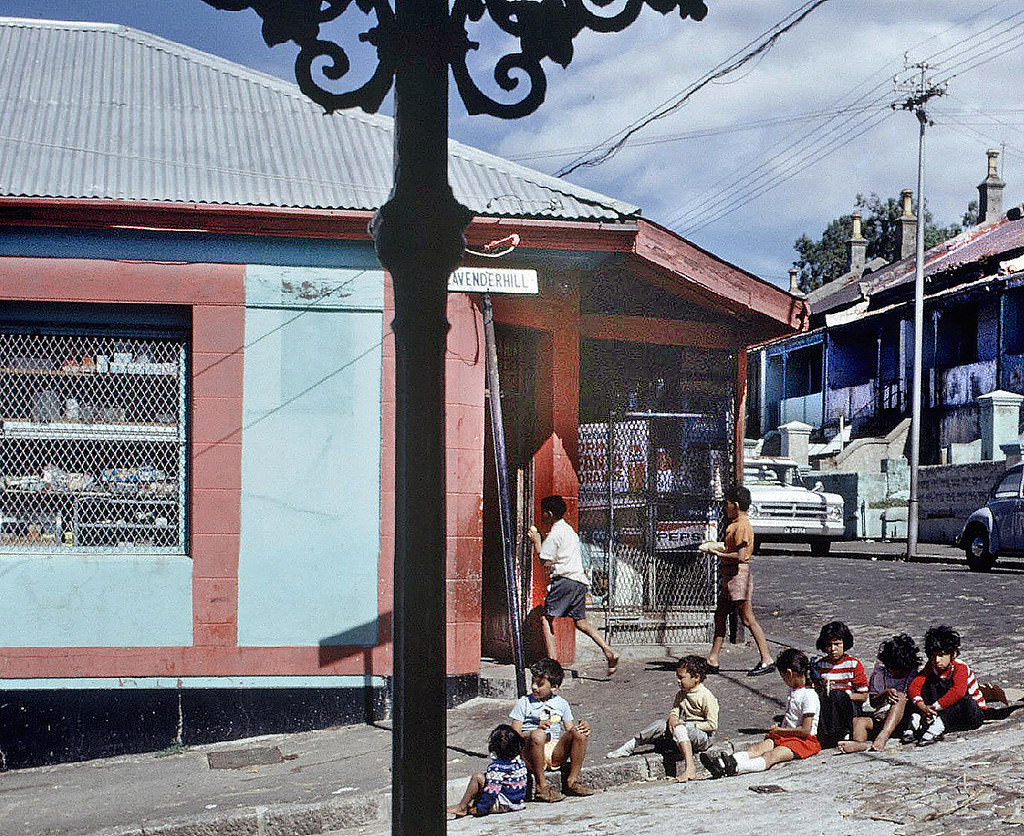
x: 504, y: 498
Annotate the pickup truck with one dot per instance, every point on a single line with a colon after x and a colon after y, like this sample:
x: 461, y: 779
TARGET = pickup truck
x: 782, y: 510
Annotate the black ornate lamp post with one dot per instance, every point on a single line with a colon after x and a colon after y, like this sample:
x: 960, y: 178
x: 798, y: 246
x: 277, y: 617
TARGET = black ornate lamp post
x: 419, y: 238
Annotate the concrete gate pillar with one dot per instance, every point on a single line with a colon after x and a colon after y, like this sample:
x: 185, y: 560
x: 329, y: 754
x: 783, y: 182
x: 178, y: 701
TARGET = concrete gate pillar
x: 796, y: 441
x: 1000, y: 421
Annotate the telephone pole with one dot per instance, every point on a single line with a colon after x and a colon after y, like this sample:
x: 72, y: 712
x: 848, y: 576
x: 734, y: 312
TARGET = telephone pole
x: 918, y: 92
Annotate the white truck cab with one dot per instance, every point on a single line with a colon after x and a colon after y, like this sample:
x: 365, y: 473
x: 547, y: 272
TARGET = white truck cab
x: 782, y: 510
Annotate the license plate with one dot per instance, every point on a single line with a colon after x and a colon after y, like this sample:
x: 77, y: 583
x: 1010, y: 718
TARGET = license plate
x: 792, y: 529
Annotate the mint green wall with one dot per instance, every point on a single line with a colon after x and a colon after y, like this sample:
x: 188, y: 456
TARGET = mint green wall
x: 310, y: 524
x: 96, y: 601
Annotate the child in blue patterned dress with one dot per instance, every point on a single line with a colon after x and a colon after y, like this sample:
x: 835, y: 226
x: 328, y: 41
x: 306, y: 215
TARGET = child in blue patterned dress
x: 502, y: 788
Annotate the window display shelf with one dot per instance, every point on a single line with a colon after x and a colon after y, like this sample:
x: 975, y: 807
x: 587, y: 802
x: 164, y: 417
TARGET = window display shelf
x: 73, y: 430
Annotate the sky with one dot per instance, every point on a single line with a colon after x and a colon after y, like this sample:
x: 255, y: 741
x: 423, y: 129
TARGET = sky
x: 752, y: 160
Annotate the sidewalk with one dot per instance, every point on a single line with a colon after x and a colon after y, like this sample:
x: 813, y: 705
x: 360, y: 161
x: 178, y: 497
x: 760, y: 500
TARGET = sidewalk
x: 326, y: 781
x: 316, y: 782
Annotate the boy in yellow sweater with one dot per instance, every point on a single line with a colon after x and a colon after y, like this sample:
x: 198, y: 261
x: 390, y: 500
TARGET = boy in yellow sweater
x: 692, y: 723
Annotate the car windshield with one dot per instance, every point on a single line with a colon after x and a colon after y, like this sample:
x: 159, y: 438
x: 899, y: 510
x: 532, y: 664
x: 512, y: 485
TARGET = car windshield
x: 769, y: 474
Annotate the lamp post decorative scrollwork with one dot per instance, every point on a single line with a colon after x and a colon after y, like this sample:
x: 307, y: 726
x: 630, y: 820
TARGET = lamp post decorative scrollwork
x: 419, y: 235
x: 545, y: 29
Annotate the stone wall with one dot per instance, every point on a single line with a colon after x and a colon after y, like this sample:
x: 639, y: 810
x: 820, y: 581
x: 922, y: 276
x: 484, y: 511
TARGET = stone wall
x: 949, y: 494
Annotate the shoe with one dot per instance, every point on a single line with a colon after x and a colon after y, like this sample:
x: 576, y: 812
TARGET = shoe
x: 761, y: 668
x: 547, y: 793
x: 624, y: 751
x: 913, y: 730
x: 933, y: 733
x: 729, y: 761
x: 580, y: 790
x: 714, y: 764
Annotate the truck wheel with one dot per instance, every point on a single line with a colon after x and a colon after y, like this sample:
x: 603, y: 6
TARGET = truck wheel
x: 819, y: 548
x: 979, y: 558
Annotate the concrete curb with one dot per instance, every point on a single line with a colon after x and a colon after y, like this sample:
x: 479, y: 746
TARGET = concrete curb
x: 279, y: 820
x: 364, y: 809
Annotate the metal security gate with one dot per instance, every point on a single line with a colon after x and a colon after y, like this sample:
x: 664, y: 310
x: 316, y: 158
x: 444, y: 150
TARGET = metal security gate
x: 651, y: 487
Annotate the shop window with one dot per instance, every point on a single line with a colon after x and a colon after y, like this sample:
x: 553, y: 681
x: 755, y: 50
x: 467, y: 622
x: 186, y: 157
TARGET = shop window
x: 92, y: 439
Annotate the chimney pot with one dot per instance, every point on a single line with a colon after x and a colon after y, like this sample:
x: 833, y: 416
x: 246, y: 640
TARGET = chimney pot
x: 907, y: 226
x: 856, y: 247
x: 990, y: 191
x: 908, y: 207
x: 794, y: 288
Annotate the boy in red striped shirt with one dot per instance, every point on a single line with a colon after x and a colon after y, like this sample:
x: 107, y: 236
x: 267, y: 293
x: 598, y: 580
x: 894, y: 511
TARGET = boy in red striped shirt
x: 945, y: 695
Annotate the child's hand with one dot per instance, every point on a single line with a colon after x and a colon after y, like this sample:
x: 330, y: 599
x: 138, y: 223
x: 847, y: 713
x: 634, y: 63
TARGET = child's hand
x: 891, y: 696
x: 583, y: 727
x: 545, y: 723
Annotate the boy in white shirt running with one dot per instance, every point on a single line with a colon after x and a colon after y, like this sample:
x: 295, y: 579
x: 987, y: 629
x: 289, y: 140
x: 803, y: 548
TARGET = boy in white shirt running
x: 560, y: 554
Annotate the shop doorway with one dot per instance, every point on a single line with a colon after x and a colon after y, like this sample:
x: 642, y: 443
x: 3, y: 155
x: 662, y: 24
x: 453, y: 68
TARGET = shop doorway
x: 517, y: 372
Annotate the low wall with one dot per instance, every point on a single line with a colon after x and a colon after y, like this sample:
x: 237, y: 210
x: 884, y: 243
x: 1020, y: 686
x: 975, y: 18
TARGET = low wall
x: 949, y: 494
x: 859, y: 492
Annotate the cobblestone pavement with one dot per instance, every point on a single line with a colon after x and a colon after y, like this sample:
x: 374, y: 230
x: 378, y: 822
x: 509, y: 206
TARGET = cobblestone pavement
x: 968, y: 786
x: 876, y: 598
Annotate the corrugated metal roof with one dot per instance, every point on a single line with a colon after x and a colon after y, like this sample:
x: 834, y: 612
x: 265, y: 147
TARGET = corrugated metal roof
x: 976, y: 244
x: 93, y: 110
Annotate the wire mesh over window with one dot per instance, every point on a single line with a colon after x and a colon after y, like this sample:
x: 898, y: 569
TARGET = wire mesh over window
x: 92, y: 443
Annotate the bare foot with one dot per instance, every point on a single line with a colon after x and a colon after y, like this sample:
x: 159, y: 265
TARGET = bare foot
x: 848, y: 746
x: 878, y: 747
x: 613, y: 663
x: 689, y: 775
x: 456, y: 811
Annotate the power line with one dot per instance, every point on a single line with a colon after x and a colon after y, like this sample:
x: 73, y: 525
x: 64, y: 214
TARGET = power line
x: 792, y: 153
x: 700, y: 133
x: 765, y: 42
x: 751, y: 183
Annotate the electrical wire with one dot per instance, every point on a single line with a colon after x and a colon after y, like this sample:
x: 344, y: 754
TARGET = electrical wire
x: 700, y: 133
x: 747, y: 183
x: 764, y: 42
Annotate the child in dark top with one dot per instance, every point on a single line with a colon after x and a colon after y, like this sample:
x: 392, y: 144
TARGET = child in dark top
x: 502, y: 788
x: 945, y: 696
x: 897, y: 665
x: 841, y: 682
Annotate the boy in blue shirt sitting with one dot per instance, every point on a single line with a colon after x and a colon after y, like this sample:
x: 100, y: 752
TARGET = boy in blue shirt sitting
x: 550, y: 737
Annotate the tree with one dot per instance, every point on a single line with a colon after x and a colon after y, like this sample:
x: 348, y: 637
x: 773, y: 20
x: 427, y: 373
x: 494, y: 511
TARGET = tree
x: 823, y: 260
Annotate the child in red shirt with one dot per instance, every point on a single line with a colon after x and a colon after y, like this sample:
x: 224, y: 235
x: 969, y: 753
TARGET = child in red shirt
x: 842, y: 684
x: 945, y: 695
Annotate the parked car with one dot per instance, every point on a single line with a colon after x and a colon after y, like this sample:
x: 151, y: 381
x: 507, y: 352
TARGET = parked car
x: 782, y: 510
x: 998, y: 527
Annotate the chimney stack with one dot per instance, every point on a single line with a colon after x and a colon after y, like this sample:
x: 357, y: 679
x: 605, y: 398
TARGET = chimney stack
x: 794, y: 288
x: 990, y: 191
x: 907, y: 231
x: 856, y: 247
